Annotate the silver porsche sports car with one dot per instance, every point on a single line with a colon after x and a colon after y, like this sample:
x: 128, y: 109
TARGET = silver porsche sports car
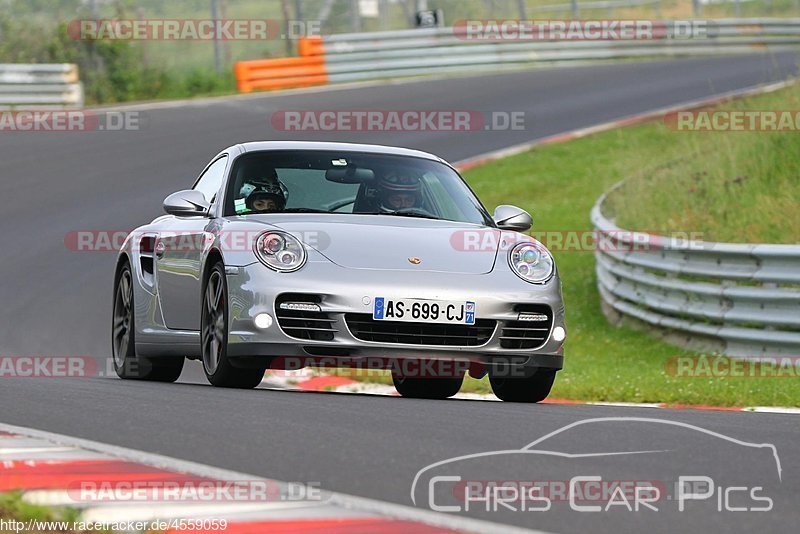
x: 286, y: 255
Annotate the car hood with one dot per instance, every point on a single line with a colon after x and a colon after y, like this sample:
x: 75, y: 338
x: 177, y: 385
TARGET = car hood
x: 394, y: 243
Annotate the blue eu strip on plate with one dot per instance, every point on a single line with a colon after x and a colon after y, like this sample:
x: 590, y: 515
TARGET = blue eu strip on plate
x: 378, y: 310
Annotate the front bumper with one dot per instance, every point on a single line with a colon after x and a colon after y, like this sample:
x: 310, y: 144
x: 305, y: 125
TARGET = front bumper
x: 254, y: 288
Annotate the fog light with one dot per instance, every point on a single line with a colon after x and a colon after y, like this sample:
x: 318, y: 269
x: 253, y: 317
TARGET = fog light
x: 263, y: 320
x: 559, y: 333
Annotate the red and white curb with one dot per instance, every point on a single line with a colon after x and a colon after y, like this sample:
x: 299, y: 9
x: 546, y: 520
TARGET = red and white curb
x: 47, y: 468
x: 309, y: 380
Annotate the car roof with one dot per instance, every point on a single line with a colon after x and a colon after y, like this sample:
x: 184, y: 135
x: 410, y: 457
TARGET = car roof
x: 255, y: 146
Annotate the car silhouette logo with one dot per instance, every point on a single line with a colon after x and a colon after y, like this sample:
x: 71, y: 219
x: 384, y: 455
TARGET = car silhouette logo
x: 414, y: 260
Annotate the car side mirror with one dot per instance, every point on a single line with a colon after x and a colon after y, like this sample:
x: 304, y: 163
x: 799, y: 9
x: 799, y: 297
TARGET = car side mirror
x: 188, y: 203
x: 512, y: 218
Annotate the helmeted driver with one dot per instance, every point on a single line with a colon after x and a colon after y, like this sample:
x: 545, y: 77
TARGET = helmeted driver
x: 399, y: 189
x: 264, y: 193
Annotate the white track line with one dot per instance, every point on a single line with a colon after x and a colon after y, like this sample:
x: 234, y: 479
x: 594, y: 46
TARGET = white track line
x: 773, y: 409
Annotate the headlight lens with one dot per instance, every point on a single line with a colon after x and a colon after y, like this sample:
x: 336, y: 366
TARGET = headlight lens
x: 280, y: 251
x: 531, y: 262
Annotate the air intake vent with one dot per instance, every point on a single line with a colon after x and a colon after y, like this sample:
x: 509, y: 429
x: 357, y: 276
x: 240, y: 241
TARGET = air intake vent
x: 530, y: 330
x: 299, y: 317
x: 365, y: 328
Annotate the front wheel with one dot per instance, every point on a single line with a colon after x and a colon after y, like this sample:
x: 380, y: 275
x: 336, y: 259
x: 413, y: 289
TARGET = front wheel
x: 533, y: 388
x: 426, y: 388
x: 214, y: 336
x: 123, y: 339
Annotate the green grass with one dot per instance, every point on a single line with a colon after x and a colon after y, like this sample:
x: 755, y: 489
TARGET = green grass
x: 740, y: 187
x: 12, y: 506
x: 559, y: 184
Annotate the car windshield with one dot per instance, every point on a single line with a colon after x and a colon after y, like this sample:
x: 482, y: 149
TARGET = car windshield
x: 301, y: 181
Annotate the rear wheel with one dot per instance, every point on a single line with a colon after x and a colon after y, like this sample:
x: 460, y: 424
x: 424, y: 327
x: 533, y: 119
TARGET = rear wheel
x: 533, y: 388
x: 123, y: 339
x: 426, y: 387
x: 214, y: 337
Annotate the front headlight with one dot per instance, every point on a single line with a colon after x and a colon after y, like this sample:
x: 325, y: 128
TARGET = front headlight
x: 280, y: 251
x: 531, y: 262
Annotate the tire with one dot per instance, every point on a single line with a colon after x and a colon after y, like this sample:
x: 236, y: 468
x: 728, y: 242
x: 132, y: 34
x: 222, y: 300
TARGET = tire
x: 534, y: 388
x: 427, y: 388
x: 123, y: 339
x: 214, y: 336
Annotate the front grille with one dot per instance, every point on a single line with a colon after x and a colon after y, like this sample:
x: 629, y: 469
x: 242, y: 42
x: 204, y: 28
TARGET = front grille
x: 527, y: 334
x: 365, y: 328
x: 302, y: 324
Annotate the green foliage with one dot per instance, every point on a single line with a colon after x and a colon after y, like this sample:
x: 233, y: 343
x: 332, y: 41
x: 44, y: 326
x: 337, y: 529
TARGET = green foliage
x: 12, y: 506
x: 111, y: 71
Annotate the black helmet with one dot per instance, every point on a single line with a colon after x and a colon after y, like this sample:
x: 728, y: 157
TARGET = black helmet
x: 396, y: 182
x: 262, y: 183
x: 268, y: 191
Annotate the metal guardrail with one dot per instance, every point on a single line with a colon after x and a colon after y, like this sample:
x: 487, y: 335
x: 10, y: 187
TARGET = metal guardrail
x: 40, y: 86
x: 742, y: 298
x: 375, y: 55
x: 597, y: 4
x: 353, y: 57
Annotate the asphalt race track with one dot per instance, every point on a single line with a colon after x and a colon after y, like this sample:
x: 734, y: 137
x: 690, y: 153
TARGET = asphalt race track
x: 58, y: 302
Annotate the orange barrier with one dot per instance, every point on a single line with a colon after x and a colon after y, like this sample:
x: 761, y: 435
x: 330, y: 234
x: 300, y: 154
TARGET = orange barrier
x: 284, y: 73
x: 310, y: 46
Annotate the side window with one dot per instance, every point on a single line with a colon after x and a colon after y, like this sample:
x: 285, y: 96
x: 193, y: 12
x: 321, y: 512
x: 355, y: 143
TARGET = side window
x: 211, y: 180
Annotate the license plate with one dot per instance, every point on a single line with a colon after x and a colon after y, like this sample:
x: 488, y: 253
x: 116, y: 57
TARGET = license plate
x: 424, y: 311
